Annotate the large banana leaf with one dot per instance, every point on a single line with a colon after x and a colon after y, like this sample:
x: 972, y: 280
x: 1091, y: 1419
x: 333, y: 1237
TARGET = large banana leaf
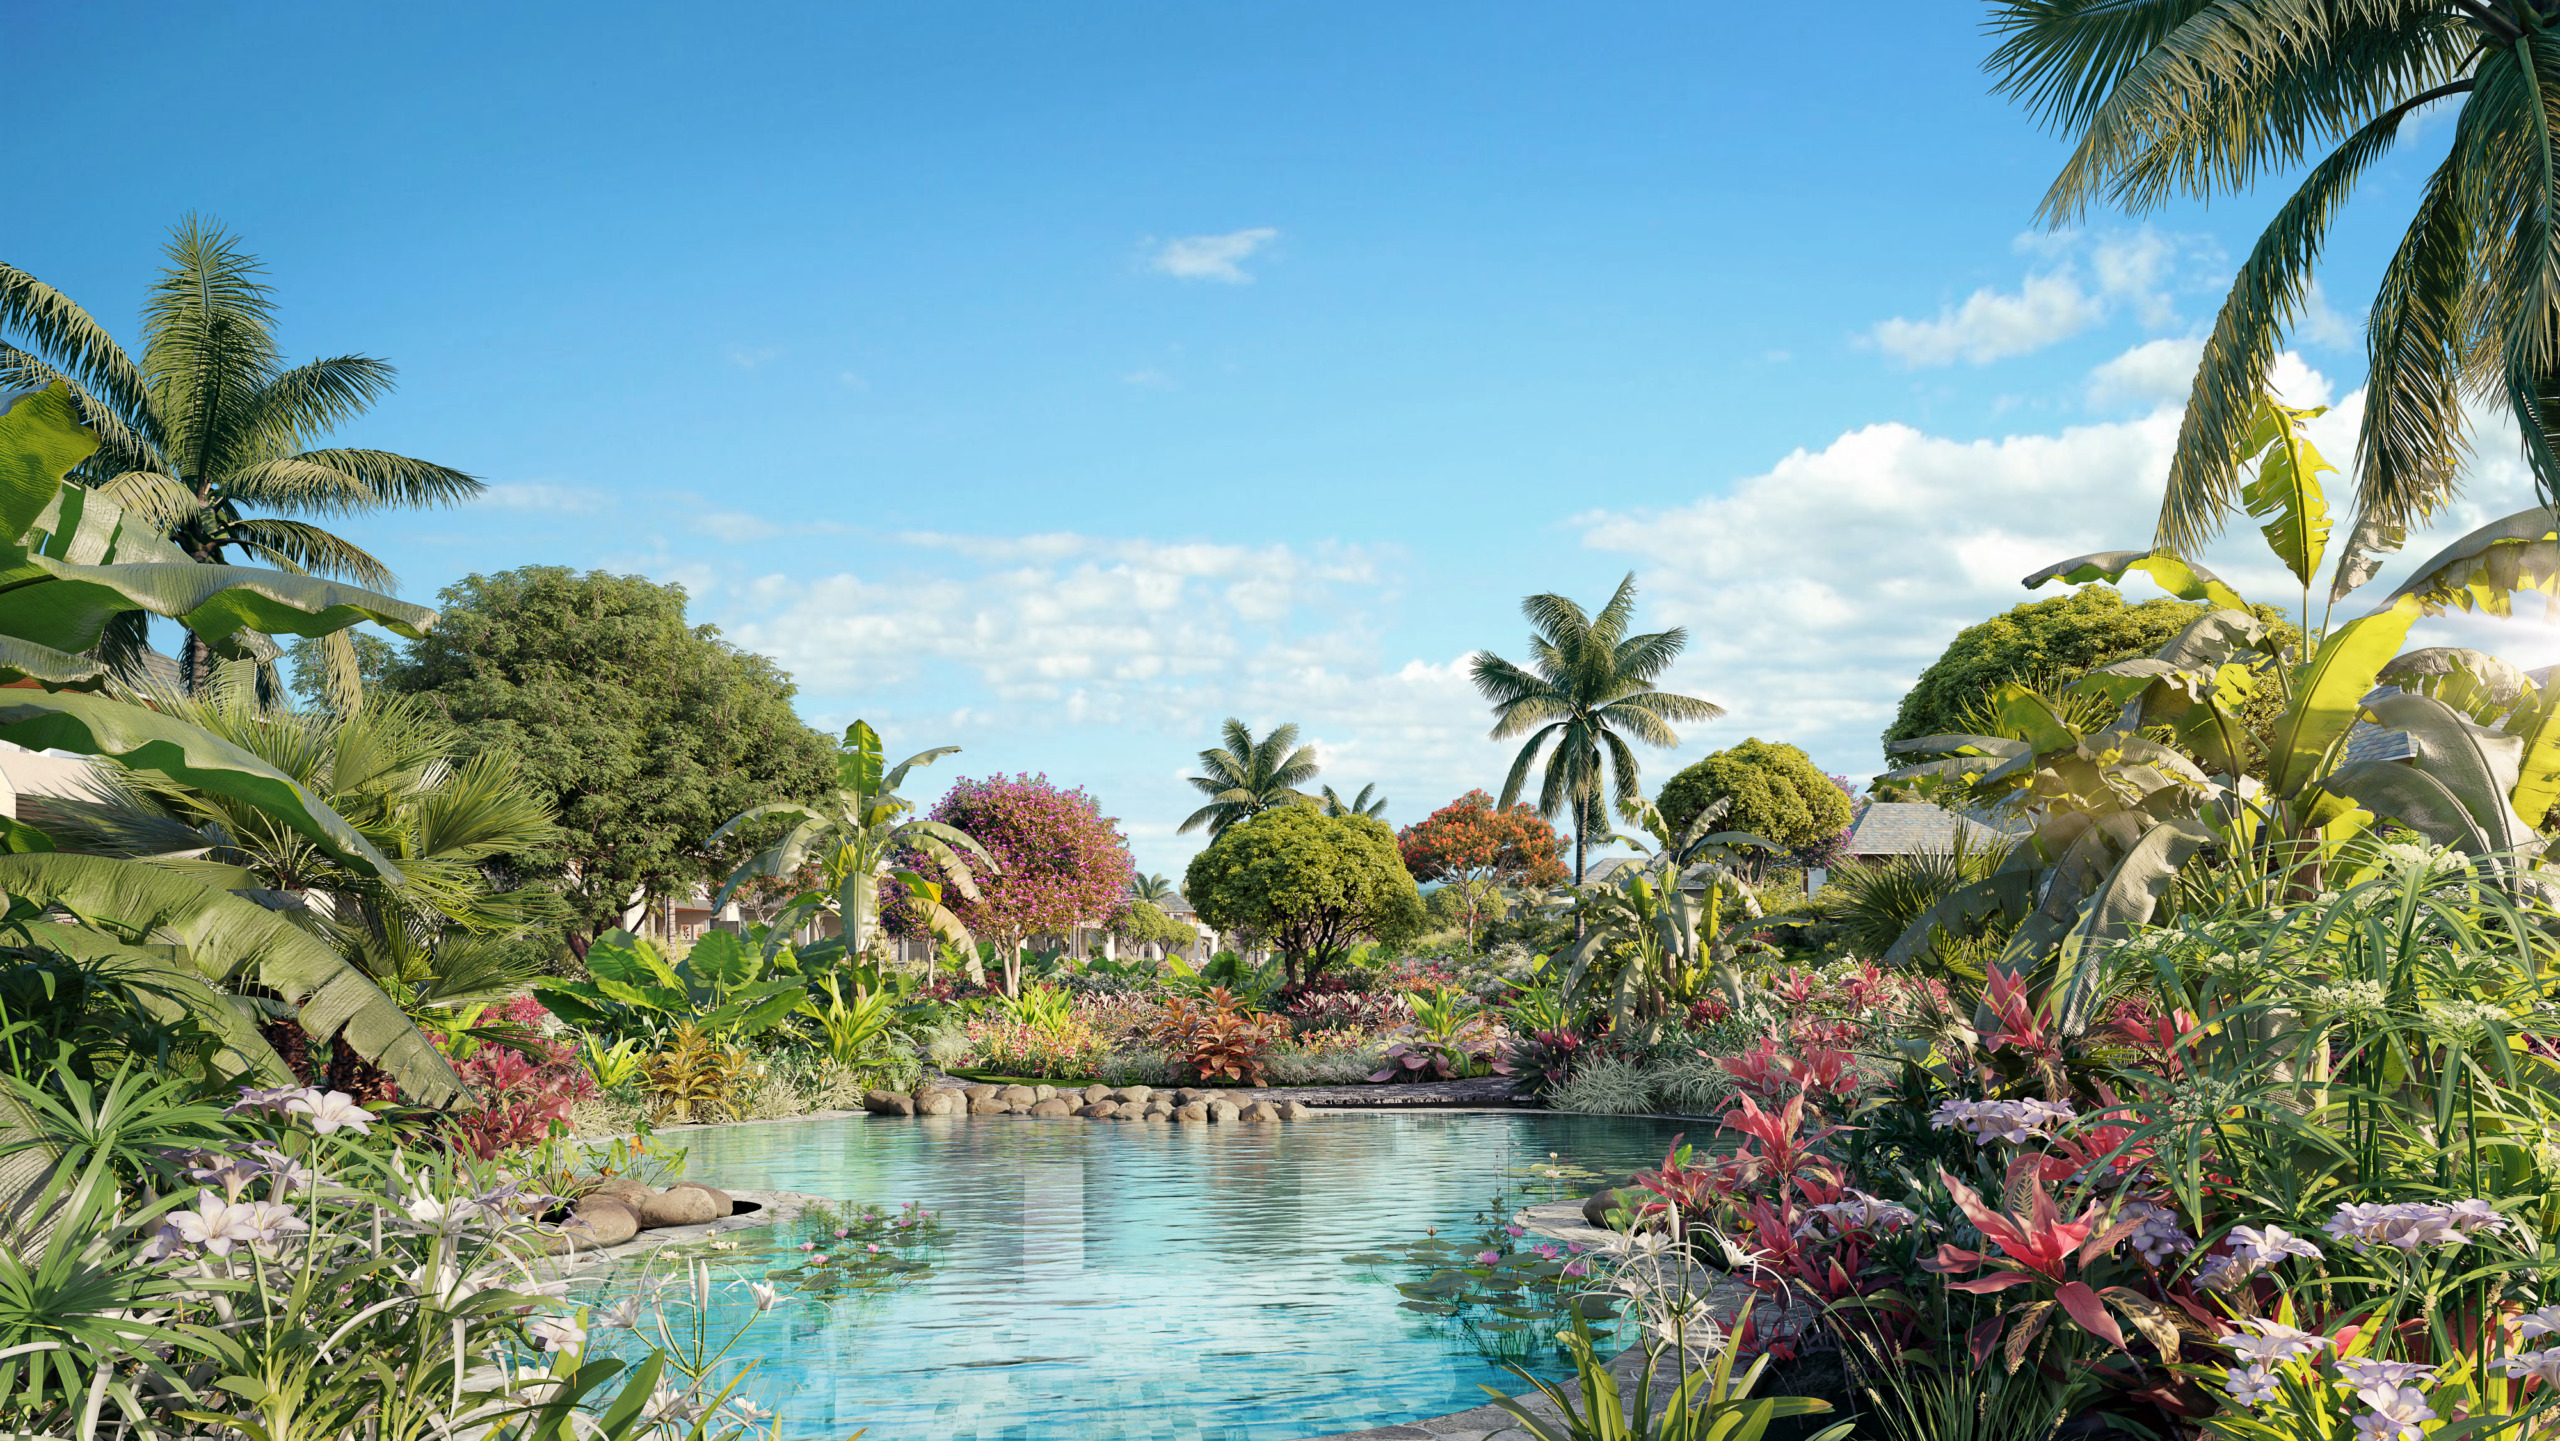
x: 2475, y: 683
x: 26, y: 660
x: 2286, y: 492
x: 2414, y: 799
x: 68, y: 606
x: 2129, y: 897
x: 41, y: 441
x: 2180, y: 577
x: 2329, y: 690
x: 147, y: 740
x: 229, y: 938
x: 2537, y: 724
x: 2478, y: 765
x: 2484, y: 570
x: 70, y: 561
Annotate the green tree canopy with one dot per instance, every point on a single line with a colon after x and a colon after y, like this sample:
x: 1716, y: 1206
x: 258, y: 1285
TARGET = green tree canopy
x: 1310, y: 884
x: 1144, y: 923
x: 643, y: 732
x: 1778, y: 794
x: 2034, y: 642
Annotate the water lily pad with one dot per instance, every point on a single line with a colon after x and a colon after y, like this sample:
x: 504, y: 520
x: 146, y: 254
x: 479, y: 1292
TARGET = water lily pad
x: 1429, y: 1308
x: 1502, y: 1325
x: 1369, y: 1258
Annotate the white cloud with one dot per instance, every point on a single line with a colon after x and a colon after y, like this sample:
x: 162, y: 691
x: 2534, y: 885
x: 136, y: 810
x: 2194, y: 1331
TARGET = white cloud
x: 746, y: 359
x: 2089, y: 278
x: 1991, y: 325
x: 1147, y: 379
x: 1213, y: 257
x: 2156, y: 372
x: 737, y: 527
x: 1816, y: 591
x: 538, y: 495
x: 2323, y: 324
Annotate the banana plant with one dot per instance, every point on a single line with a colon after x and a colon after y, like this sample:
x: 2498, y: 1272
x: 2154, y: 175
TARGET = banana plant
x: 852, y: 837
x: 720, y: 986
x: 2179, y: 772
x: 1667, y: 939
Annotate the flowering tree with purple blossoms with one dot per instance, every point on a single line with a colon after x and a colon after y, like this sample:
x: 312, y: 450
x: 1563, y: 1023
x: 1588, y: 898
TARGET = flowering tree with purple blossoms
x: 1061, y: 863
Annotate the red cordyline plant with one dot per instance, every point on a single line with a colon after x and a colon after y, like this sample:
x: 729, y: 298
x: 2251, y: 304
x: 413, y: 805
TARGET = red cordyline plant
x: 516, y: 1102
x: 1061, y: 863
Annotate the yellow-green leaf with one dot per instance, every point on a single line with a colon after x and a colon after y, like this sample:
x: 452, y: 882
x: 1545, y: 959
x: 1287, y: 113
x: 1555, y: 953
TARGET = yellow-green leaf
x: 2329, y: 689
x: 2286, y: 492
x: 2181, y: 578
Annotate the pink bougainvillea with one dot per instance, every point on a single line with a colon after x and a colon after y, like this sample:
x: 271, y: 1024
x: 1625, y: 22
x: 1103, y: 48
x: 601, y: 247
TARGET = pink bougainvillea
x: 1064, y: 863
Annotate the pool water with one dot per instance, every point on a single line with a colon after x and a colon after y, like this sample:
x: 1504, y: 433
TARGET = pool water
x: 1109, y: 1280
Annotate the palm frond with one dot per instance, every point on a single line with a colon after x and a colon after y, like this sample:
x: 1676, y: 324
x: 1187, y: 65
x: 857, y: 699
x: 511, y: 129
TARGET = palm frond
x: 43, y: 320
x: 2266, y: 298
x: 318, y: 396
x: 306, y: 549
x: 385, y: 479
x: 210, y: 349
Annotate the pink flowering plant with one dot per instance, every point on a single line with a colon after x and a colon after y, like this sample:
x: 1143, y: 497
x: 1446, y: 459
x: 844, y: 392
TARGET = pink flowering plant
x: 1059, y: 863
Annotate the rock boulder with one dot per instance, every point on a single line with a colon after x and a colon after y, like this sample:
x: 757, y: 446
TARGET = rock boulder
x: 602, y: 1221
x: 888, y: 1103
x: 683, y: 1206
x: 1260, y: 1111
x: 1053, y: 1106
x: 721, y: 1205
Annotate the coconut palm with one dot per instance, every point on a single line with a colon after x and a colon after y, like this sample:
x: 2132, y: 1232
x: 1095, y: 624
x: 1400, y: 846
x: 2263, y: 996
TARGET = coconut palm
x: 2170, y: 97
x: 1590, y: 680
x: 1149, y: 888
x: 1247, y: 777
x: 209, y: 437
x: 1359, y: 805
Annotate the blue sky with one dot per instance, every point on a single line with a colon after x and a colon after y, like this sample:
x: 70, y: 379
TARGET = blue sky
x: 1057, y: 380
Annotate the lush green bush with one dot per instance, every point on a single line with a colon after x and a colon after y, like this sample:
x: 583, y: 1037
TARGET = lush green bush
x: 1777, y: 793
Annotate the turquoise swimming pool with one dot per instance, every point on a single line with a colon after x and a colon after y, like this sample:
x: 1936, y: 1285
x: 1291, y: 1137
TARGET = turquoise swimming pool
x: 1115, y: 1280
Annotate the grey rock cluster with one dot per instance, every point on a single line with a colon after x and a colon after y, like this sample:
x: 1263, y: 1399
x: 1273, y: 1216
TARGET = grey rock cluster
x: 622, y: 1208
x: 1095, y: 1103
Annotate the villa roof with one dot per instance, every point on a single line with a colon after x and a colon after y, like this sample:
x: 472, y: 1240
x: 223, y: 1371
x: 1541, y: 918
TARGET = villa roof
x: 1901, y: 828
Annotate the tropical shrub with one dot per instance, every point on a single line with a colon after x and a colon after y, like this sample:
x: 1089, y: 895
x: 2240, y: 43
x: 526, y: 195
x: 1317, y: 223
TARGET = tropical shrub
x: 696, y: 1076
x: 1215, y: 1040
x: 518, y: 1097
x: 1310, y: 884
x: 1776, y: 793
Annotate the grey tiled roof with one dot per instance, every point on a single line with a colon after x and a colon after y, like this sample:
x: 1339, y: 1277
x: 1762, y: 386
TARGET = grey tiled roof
x: 1901, y: 828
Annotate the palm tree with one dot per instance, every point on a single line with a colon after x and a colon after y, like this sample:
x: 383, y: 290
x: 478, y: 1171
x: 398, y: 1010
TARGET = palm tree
x: 1591, y: 680
x: 1145, y: 887
x: 209, y: 437
x: 398, y: 773
x: 2168, y: 98
x: 1359, y: 805
x: 1246, y: 777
